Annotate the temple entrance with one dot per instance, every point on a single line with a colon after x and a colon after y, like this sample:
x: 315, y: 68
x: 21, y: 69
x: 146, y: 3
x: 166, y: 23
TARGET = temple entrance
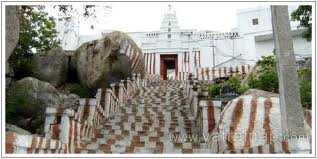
x: 169, y: 66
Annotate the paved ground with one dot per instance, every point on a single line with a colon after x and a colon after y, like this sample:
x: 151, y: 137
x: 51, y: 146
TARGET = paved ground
x: 147, y: 123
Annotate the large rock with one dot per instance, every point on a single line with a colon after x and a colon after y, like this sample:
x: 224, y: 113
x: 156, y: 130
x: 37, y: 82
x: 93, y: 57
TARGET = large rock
x: 27, y: 99
x: 260, y: 93
x: 12, y: 25
x: 51, y: 66
x: 250, y: 120
x: 108, y: 60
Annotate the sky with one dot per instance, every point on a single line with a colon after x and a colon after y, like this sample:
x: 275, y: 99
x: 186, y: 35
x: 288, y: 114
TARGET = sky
x: 147, y: 16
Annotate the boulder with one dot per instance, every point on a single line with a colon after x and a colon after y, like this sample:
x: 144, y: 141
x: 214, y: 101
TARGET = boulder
x: 16, y: 129
x: 51, y: 66
x: 101, y: 62
x: 27, y: 99
x: 12, y: 25
x: 250, y: 121
x: 260, y: 93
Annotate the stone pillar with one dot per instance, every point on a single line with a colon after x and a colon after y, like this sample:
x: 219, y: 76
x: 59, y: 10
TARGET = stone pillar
x: 292, y: 112
x: 292, y: 115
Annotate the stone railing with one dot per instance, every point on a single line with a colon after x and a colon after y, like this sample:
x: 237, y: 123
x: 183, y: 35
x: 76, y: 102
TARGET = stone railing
x: 182, y: 76
x: 204, y: 111
x: 67, y: 130
x: 22, y: 144
x: 209, y: 74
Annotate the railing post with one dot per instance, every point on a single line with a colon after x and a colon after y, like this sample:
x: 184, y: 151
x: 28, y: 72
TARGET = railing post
x: 209, y: 117
x: 66, y: 129
x: 120, y: 93
x: 133, y: 81
x: 127, y: 86
x: 138, y: 80
x: 112, y: 86
x: 107, y: 102
x: 50, y: 118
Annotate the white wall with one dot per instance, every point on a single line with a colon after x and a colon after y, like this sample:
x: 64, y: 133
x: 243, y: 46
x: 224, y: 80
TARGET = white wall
x: 301, y: 47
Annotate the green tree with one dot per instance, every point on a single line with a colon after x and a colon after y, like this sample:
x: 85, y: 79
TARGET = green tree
x: 37, y: 34
x: 303, y: 15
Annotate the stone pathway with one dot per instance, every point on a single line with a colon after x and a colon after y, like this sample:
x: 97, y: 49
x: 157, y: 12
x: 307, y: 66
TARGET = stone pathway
x: 147, y: 123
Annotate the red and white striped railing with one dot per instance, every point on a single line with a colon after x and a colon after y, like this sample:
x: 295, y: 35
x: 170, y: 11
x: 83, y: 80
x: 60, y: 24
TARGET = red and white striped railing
x: 208, y: 73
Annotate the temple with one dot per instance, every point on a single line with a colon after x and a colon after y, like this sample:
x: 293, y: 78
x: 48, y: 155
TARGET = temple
x: 172, y: 51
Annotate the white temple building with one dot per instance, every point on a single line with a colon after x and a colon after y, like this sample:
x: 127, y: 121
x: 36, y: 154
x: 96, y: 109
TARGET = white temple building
x: 172, y: 50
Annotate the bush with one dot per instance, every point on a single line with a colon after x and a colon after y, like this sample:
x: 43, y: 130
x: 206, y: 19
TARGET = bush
x: 81, y: 91
x: 20, y: 110
x: 37, y: 33
x: 214, y: 90
x: 304, y: 74
x: 268, y: 81
x: 235, y: 84
x: 267, y: 78
x: 305, y: 94
x: 267, y: 62
x: 22, y: 66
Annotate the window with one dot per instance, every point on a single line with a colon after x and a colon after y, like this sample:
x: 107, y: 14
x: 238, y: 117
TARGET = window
x: 169, y: 29
x: 169, y: 23
x: 169, y: 36
x: 255, y: 21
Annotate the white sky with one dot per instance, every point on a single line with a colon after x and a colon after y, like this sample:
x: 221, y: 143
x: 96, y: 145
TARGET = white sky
x: 147, y: 16
x: 137, y: 16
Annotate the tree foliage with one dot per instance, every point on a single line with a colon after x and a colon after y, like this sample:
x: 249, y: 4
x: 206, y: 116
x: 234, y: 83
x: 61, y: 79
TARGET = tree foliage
x: 267, y: 79
x: 37, y: 34
x: 303, y: 15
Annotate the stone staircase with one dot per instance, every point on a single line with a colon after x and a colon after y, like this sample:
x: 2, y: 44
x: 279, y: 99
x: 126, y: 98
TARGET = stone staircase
x: 156, y: 119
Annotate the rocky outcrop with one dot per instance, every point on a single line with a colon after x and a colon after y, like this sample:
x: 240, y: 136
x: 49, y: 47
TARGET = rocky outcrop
x: 12, y: 25
x: 16, y: 129
x: 249, y: 121
x: 27, y: 100
x: 101, y: 62
x: 51, y: 66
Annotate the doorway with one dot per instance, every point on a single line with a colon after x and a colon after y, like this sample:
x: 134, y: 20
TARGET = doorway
x: 169, y: 66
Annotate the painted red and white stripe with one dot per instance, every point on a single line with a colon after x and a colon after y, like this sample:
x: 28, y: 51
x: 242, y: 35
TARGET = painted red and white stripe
x: 136, y: 56
x: 150, y: 63
x: 256, y: 119
x: 197, y: 58
x: 28, y: 144
x: 208, y: 73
